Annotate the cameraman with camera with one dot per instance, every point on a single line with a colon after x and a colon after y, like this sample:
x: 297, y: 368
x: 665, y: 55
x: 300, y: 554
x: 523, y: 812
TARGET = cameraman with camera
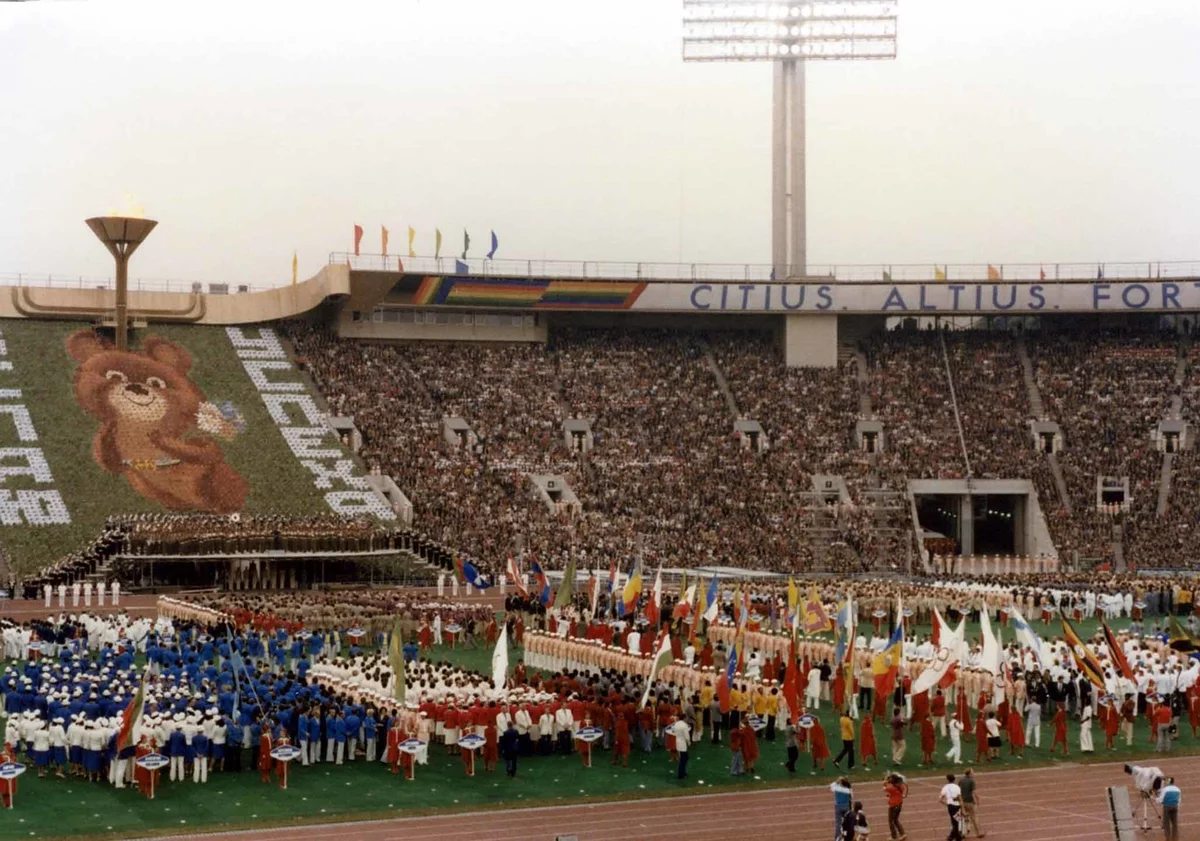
x: 1157, y: 790
x: 1168, y: 797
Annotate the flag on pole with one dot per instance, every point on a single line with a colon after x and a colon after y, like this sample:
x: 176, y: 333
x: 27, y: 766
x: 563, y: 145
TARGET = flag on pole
x: 712, y: 600
x: 1085, y: 658
x: 474, y: 577
x: 412, y: 235
x: 357, y: 238
x: 500, y: 660
x: 1179, y: 639
x: 654, y: 603
x: 633, y: 589
x: 793, y: 605
x: 541, y: 584
x: 844, y: 630
x: 791, y: 681
x: 1116, y: 653
x: 887, y: 276
x: 990, y: 656
x: 725, y: 681
x: 594, y: 590
x: 993, y: 272
x: 816, y: 620
x: 1026, y: 636
x: 495, y: 246
x: 437, y: 243
x: 1041, y: 273
x: 683, y: 607
x: 886, y: 665
x: 384, y: 238
x: 461, y: 268
x: 458, y: 569
x: 396, y: 662
x: 661, y: 658
x: 946, y: 656
x: 295, y: 267
x: 466, y: 243
x: 939, y: 273
x: 132, y: 715
x: 939, y: 627
x: 566, y: 590
x: 514, y: 572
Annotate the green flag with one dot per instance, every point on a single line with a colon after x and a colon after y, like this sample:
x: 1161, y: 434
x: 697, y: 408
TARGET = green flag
x: 566, y: 590
x: 1180, y: 639
x: 396, y: 661
x: 466, y: 243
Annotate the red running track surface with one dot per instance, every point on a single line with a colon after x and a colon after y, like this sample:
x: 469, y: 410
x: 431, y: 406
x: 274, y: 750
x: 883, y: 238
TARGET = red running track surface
x: 1063, y: 803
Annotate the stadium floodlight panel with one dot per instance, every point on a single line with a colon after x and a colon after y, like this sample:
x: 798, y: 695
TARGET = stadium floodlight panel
x: 735, y: 30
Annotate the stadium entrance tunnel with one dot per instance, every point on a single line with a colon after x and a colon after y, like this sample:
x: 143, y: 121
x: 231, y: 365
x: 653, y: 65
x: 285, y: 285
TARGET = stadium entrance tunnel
x: 979, y: 518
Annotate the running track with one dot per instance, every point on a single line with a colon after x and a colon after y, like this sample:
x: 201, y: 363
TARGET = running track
x: 1051, y: 804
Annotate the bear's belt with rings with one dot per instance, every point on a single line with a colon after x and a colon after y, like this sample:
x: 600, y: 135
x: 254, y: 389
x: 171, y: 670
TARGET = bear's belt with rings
x: 144, y: 464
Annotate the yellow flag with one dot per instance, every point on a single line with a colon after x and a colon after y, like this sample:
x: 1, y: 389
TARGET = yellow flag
x: 412, y: 235
x: 396, y: 661
x: 939, y: 273
x: 295, y: 267
x: 793, y: 601
x: 385, y: 238
x: 993, y: 272
x: 437, y: 243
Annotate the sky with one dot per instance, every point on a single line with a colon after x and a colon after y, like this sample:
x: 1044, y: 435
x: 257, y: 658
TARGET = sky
x: 1017, y: 131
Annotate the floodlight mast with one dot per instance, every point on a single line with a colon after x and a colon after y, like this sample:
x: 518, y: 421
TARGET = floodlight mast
x: 788, y: 35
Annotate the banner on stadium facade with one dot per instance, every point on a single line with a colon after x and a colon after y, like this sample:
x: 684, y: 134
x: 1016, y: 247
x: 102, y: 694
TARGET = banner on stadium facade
x: 900, y: 299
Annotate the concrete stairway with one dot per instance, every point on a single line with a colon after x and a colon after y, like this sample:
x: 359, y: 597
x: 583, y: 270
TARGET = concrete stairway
x: 722, y: 383
x: 1164, y: 484
x: 1059, y: 482
x: 1036, y: 407
x: 962, y: 438
x: 1173, y: 413
x: 864, y: 384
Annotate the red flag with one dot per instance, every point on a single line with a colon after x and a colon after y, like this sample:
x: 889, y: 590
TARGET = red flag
x: 655, y: 601
x: 132, y: 715
x: 936, y: 636
x: 1116, y: 653
x: 791, y: 682
x: 725, y: 681
x: 514, y: 572
x: 357, y: 238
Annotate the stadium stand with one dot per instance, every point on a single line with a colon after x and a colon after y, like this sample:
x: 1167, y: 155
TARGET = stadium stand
x: 668, y: 476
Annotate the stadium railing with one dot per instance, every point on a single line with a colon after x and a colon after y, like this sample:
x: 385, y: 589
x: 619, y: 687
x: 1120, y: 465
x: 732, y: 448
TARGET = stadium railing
x: 758, y: 272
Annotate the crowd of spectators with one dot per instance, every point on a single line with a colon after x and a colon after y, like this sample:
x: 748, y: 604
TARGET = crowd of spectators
x: 1108, y: 390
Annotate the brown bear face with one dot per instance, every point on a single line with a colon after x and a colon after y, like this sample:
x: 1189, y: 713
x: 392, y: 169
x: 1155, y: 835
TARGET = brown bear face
x: 148, y: 388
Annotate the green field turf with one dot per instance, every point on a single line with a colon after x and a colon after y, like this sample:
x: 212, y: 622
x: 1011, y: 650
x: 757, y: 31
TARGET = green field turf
x: 54, y: 808
x: 44, y: 372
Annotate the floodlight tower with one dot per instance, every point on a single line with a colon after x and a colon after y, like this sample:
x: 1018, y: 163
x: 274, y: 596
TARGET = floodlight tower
x: 121, y: 235
x: 788, y: 34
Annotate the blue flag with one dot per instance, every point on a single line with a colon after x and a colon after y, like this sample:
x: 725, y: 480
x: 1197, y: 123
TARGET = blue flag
x: 495, y: 246
x: 461, y: 268
x: 473, y: 576
x: 541, y: 582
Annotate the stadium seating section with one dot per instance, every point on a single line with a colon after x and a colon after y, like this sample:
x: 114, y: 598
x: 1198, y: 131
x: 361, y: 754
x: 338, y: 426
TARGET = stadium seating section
x: 667, y: 474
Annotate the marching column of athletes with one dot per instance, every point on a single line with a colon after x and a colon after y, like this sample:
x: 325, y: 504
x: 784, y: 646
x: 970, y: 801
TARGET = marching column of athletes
x: 67, y: 705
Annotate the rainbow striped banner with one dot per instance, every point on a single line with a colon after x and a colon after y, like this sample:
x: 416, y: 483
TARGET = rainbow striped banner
x: 585, y: 294
x: 440, y: 291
